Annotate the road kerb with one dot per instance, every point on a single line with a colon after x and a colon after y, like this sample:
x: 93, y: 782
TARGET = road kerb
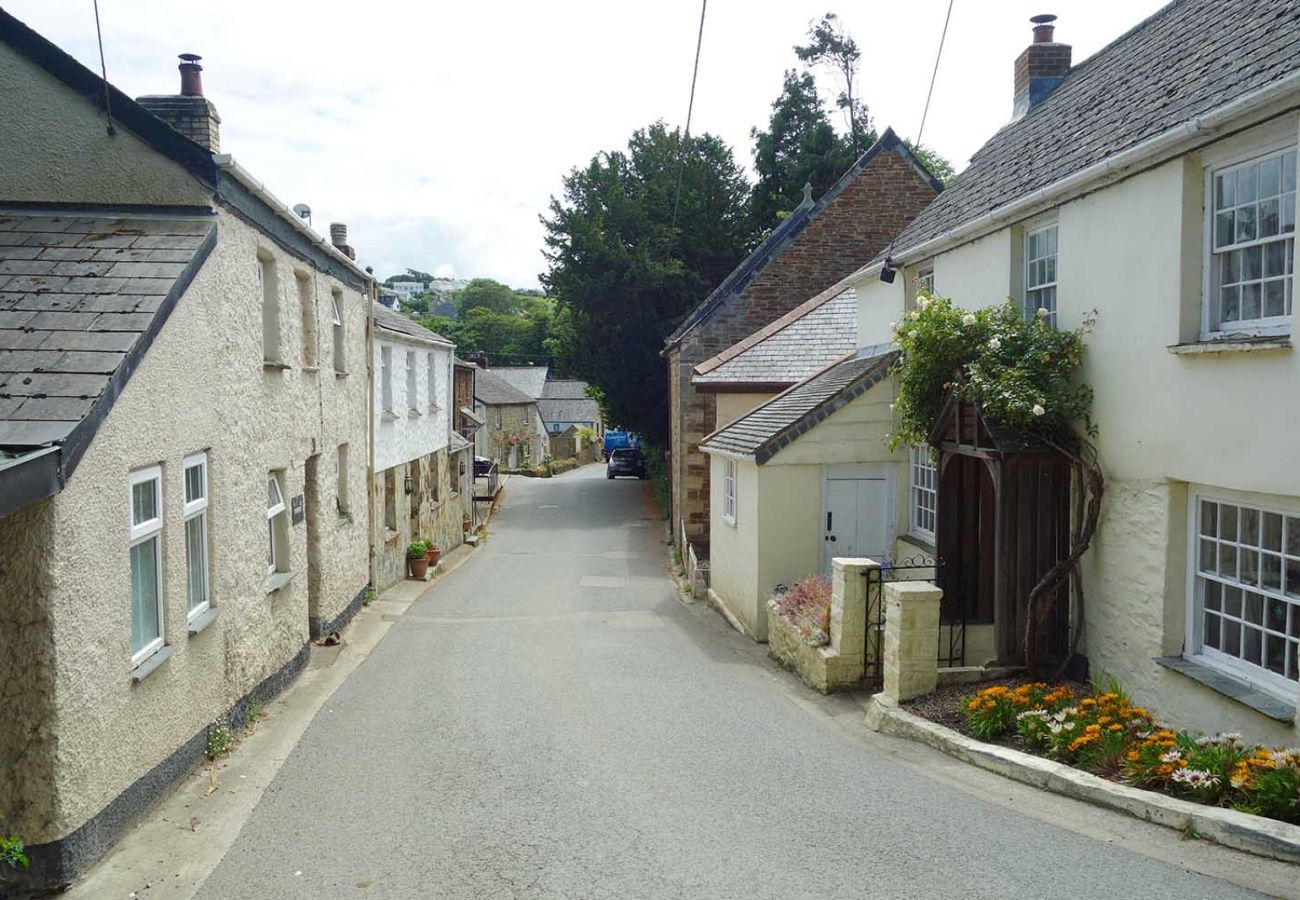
x: 1241, y: 831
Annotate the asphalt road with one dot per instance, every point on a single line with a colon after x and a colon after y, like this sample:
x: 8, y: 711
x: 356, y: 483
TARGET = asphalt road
x: 552, y: 721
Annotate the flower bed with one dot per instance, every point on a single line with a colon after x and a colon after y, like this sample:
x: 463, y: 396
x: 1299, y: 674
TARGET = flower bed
x: 1109, y: 735
x: 807, y: 606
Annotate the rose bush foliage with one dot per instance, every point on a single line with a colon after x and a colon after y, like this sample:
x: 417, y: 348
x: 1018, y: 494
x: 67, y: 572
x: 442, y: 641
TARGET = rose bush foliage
x: 1022, y: 372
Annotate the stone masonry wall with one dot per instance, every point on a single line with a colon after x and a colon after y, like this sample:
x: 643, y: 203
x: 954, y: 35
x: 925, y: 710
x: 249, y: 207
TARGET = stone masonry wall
x: 840, y: 239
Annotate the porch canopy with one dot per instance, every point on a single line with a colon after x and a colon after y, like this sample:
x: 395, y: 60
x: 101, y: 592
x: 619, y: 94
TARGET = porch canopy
x: 1003, y: 522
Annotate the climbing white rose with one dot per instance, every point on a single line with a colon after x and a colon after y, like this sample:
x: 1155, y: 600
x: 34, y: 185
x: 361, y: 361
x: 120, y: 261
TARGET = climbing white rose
x: 1041, y: 313
x: 995, y: 344
x: 912, y: 333
x: 893, y: 326
x: 1038, y: 410
x: 968, y: 319
x: 922, y: 302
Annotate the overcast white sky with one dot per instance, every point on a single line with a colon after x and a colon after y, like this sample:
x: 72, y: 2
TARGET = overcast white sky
x: 438, y: 131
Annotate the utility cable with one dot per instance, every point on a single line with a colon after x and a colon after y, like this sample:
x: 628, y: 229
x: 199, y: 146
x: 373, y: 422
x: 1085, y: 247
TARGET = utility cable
x: 690, y: 109
x: 103, y: 69
x: 935, y: 74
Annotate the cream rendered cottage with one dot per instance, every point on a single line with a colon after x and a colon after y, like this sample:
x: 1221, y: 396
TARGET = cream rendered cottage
x: 1155, y: 184
x: 183, y: 444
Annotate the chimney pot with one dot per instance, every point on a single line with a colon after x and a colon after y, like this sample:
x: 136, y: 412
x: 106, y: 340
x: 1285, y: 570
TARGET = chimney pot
x: 191, y: 75
x: 1043, y: 28
x: 338, y: 234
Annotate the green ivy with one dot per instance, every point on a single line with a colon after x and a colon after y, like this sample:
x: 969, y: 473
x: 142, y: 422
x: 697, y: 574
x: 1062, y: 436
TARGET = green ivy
x: 1022, y: 372
x: 12, y: 854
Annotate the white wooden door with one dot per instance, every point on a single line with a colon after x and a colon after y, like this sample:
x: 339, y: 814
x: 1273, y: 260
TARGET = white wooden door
x: 857, y: 514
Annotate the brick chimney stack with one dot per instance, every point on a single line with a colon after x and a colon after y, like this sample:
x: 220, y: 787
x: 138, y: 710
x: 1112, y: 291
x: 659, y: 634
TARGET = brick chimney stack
x: 1042, y: 67
x: 339, y: 238
x: 189, y: 112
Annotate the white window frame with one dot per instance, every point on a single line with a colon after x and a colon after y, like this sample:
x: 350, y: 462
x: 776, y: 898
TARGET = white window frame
x: 919, y: 464
x: 340, y: 356
x: 729, y: 490
x: 196, y: 510
x: 386, y: 378
x: 270, y: 300
x: 925, y: 279
x: 1210, y: 291
x: 412, y: 384
x: 1256, y: 675
x: 274, y: 510
x: 148, y: 530
x: 342, y: 501
x: 1028, y: 303
x: 432, y: 364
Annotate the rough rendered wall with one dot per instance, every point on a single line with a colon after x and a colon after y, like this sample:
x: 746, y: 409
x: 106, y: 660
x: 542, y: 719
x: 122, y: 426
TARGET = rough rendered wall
x: 202, y: 386
x: 83, y: 164
x: 437, y: 520
x: 843, y: 237
x: 28, y: 719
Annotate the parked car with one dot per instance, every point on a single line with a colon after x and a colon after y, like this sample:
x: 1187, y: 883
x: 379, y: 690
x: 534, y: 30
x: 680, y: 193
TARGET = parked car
x: 626, y: 461
x: 482, y: 465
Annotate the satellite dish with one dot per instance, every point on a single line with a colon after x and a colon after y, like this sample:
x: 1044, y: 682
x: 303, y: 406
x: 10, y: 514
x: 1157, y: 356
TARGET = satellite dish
x: 303, y: 210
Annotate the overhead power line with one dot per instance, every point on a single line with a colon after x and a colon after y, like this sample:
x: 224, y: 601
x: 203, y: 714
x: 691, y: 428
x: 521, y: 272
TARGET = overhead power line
x: 690, y: 110
x: 935, y: 74
x: 103, y: 68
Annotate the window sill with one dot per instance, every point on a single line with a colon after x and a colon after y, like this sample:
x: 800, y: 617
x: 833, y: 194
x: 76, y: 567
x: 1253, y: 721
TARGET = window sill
x: 390, y: 535
x: 345, y: 517
x: 142, y: 671
x: 203, y: 620
x: 413, y: 413
x: 278, y: 581
x: 729, y: 520
x: 1235, y: 344
x: 310, y: 369
x: 387, y: 416
x: 338, y: 374
x: 921, y: 542
x: 275, y: 366
x: 1217, y: 680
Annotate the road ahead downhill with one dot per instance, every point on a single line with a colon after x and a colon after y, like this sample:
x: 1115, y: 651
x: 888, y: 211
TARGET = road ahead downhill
x: 552, y: 721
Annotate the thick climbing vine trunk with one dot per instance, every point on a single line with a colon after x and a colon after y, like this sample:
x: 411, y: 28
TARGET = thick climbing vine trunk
x: 1092, y: 484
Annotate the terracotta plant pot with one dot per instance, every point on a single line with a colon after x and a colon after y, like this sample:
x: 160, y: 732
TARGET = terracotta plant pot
x: 419, y: 567
x: 433, y: 556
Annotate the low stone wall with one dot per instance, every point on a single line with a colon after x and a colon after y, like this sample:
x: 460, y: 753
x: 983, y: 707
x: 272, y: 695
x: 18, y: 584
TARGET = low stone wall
x: 839, y: 665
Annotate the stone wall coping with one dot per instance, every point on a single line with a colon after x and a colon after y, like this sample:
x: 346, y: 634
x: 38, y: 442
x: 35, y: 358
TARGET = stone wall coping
x: 912, y: 591
x: 853, y: 562
x: 1241, y: 831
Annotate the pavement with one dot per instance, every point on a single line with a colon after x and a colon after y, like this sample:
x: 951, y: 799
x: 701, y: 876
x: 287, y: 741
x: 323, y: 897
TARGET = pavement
x: 555, y: 720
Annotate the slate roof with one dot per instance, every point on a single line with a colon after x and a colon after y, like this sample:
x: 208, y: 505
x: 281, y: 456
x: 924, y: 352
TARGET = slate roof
x: 1185, y: 60
x: 531, y: 380
x: 396, y: 323
x: 82, y: 295
x: 760, y: 434
x: 790, y: 349
x: 564, y: 389
x: 585, y: 410
x: 493, y: 390
x: 785, y: 233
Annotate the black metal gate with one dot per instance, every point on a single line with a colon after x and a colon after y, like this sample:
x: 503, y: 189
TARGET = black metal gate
x: 952, y: 617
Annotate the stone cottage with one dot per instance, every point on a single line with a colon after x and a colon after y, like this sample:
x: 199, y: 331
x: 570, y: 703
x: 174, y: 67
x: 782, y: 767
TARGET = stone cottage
x: 817, y: 245
x: 183, y: 443
x: 513, y: 433
x: 422, y: 473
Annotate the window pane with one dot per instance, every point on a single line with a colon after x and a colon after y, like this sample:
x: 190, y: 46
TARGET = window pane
x: 1271, y: 571
x: 1212, y: 637
x: 1288, y: 171
x: 1225, y: 192
x: 1253, y: 607
x: 1228, y: 560
x: 1275, y: 298
x: 1213, y: 595
x: 1275, y: 654
x: 144, y: 501
x: 1232, y: 600
x: 1270, y: 176
x: 1276, y: 617
x: 194, y: 484
x: 270, y: 544
x: 1245, y: 223
x: 1250, y: 527
x: 1272, y: 536
x: 144, y: 594
x: 1230, y: 299
x: 1246, y: 183
x: 1269, y: 222
x: 1209, y: 557
x: 1231, y: 638
x: 1293, y: 578
x: 1224, y: 229
x: 1253, y: 645
x: 1251, y: 267
x: 1227, y: 522
x: 1286, y: 213
x: 1292, y: 669
x: 1249, y: 566
x: 196, y: 561
x: 1250, y: 301
x: 1275, y: 259
x: 1293, y: 535
x: 1209, y: 518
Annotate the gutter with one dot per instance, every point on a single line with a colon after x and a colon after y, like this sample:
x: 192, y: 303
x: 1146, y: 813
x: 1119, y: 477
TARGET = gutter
x: 1167, y: 143
x: 227, y: 163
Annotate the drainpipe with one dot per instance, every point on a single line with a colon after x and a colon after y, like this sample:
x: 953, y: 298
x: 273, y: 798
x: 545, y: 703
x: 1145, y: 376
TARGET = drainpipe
x: 369, y: 297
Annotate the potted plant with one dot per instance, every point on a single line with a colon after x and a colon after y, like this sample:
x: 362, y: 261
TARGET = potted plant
x: 417, y: 559
x: 432, y: 552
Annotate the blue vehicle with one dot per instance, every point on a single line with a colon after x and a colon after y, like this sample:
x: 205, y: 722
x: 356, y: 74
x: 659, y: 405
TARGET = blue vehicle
x: 617, y: 440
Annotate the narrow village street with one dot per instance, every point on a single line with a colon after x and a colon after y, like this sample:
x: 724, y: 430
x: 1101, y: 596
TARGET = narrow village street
x: 553, y: 721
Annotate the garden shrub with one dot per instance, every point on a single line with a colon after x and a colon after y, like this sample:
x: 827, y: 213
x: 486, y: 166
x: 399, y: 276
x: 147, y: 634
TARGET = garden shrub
x: 807, y: 606
x: 1109, y: 735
